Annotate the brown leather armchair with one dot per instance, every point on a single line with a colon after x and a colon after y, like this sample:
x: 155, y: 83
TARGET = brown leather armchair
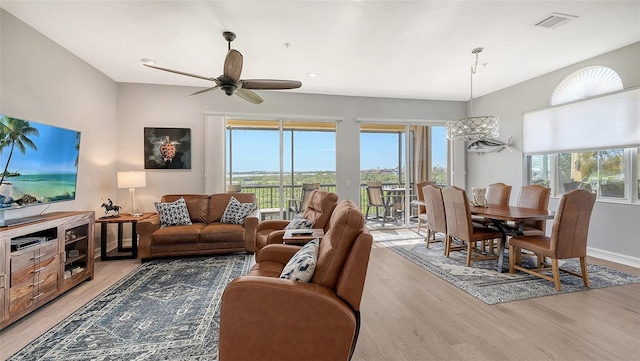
x: 264, y: 317
x: 319, y: 208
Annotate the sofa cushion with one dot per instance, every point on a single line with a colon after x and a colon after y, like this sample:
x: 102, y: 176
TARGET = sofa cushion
x: 178, y: 234
x: 197, y: 204
x: 236, y: 211
x: 218, y: 203
x: 222, y: 232
x: 299, y: 222
x: 301, y: 266
x: 174, y: 213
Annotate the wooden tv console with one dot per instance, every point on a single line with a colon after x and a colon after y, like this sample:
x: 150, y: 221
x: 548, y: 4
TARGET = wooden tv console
x: 40, y: 261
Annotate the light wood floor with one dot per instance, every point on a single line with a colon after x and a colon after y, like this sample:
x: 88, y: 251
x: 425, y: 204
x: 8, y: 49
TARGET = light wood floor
x: 409, y: 314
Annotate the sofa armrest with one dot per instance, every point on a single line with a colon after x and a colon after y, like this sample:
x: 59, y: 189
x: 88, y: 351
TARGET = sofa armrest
x: 273, y: 224
x: 275, y: 237
x: 144, y: 229
x: 278, y: 319
x: 279, y: 253
x: 250, y: 228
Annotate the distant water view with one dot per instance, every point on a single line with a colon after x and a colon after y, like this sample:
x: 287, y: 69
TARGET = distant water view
x: 44, y: 187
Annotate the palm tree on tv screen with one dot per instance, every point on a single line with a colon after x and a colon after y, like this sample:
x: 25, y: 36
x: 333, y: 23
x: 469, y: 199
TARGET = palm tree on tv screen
x: 15, y: 133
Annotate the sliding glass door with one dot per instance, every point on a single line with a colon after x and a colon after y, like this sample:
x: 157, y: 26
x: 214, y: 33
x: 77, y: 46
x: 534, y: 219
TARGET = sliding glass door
x: 275, y: 158
x: 399, y: 156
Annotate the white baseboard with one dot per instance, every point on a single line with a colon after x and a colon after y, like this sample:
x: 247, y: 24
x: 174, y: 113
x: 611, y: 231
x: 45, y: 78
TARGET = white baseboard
x: 614, y: 257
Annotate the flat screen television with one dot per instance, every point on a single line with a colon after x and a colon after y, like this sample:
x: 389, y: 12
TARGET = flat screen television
x: 38, y: 165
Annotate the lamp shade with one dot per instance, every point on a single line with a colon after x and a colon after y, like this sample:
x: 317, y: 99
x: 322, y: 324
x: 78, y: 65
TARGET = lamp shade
x: 132, y: 179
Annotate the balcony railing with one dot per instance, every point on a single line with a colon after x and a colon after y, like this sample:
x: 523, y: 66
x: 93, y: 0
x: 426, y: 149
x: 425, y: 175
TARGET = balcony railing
x: 268, y: 196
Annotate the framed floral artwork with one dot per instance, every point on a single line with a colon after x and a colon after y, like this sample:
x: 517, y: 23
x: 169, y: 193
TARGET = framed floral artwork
x: 167, y: 148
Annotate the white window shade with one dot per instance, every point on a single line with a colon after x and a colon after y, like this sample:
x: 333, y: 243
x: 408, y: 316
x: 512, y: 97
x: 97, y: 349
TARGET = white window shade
x: 609, y: 121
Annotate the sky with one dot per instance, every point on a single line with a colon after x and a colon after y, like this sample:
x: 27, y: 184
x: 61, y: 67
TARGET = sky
x: 315, y: 151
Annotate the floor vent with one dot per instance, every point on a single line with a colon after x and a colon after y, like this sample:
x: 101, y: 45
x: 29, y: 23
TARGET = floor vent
x: 554, y: 20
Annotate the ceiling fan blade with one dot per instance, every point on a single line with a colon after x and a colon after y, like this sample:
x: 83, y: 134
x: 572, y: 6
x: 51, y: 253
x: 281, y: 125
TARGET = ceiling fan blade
x: 202, y: 91
x: 233, y: 65
x: 270, y: 84
x: 183, y: 73
x: 249, y: 96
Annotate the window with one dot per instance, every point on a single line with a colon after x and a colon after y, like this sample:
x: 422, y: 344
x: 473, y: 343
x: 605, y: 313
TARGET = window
x: 600, y: 171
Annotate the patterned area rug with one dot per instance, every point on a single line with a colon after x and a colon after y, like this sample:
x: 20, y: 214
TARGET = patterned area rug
x: 482, y: 281
x: 164, y: 310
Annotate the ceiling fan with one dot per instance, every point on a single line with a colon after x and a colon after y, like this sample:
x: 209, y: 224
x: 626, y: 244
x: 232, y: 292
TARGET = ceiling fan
x: 230, y: 81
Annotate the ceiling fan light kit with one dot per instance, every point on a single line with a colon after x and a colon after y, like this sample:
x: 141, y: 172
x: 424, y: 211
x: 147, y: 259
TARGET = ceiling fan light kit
x: 230, y: 81
x: 473, y: 127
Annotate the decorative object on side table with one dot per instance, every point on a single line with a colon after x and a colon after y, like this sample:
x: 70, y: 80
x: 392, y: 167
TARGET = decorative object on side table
x: 132, y: 180
x: 110, y: 207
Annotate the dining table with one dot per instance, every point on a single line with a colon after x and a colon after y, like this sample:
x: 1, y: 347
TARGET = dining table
x: 500, y: 217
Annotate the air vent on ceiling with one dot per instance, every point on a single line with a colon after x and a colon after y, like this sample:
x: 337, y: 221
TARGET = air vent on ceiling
x: 554, y: 20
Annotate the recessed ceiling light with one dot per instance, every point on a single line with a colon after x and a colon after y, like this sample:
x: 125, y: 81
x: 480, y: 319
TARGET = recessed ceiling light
x: 312, y: 75
x: 148, y: 61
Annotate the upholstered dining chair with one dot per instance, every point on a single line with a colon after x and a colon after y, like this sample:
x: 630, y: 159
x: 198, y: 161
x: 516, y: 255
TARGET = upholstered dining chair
x: 568, y: 238
x: 461, y: 227
x: 496, y: 194
x: 436, y: 216
x: 537, y: 197
x: 422, y: 216
x: 375, y: 194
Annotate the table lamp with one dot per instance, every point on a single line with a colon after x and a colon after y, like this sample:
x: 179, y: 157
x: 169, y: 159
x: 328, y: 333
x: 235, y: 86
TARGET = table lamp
x: 132, y: 180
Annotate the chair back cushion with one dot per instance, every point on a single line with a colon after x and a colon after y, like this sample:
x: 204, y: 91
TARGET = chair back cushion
x: 571, y: 224
x: 434, y: 207
x: 320, y: 207
x: 218, y: 203
x: 458, y: 214
x: 498, y: 194
x: 345, y: 226
x: 197, y: 204
x: 537, y: 197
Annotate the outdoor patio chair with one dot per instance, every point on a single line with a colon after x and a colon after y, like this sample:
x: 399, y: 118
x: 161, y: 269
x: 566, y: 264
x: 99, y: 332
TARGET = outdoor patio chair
x: 299, y: 205
x: 376, y: 197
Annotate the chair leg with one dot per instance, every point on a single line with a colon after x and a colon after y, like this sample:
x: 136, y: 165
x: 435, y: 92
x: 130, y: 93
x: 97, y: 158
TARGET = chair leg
x: 512, y: 259
x: 419, y: 230
x: 366, y: 214
x: 469, y: 252
x: 556, y: 273
x: 583, y: 267
x: 447, y: 245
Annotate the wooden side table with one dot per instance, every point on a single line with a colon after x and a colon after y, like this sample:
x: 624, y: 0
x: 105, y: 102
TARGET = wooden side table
x: 122, y: 219
x: 290, y: 237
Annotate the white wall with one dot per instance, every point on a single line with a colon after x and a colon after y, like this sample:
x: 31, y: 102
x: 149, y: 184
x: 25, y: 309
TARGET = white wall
x: 614, y: 232
x: 40, y: 81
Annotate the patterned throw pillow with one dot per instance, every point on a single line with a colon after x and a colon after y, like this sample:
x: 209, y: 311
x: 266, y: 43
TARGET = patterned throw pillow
x: 236, y: 212
x: 299, y: 222
x: 174, y: 213
x: 301, y: 266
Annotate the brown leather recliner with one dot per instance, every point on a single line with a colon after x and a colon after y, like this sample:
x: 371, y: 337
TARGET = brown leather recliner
x: 264, y: 317
x: 319, y: 209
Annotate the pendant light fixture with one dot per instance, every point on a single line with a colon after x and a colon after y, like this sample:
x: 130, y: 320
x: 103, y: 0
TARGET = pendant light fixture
x: 473, y: 127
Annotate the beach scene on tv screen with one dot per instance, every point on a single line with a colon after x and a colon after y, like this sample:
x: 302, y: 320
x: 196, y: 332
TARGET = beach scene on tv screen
x: 38, y: 163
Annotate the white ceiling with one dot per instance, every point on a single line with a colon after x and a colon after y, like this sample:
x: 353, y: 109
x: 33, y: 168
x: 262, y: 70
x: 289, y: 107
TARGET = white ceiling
x: 399, y: 49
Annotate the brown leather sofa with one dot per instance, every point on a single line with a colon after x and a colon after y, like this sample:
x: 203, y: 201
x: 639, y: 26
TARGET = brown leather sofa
x: 320, y: 206
x: 264, y: 317
x: 206, y: 234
